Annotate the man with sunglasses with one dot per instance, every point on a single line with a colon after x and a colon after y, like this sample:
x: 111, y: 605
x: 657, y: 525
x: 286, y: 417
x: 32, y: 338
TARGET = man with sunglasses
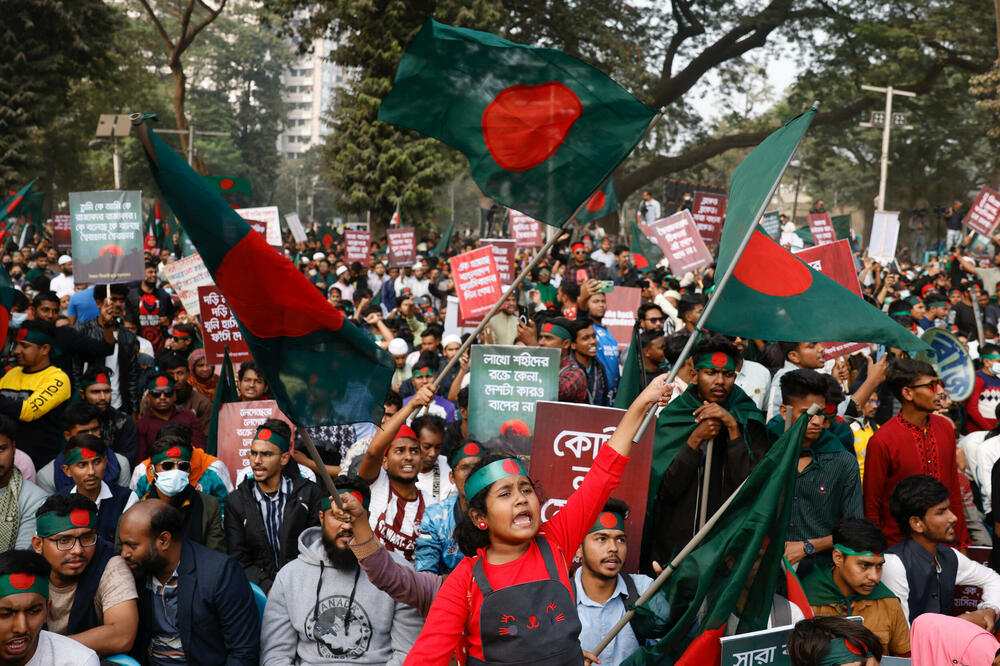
x: 581, y: 267
x: 163, y: 410
x: 915, y: 441
x: 91, y: 590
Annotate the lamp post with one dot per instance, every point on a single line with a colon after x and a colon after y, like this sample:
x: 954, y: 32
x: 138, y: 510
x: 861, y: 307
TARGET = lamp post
x: 887, y: 121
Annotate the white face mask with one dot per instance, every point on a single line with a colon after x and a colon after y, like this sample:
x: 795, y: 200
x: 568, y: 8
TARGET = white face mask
x: 995, y: 367
x: 18, y: 318
x: 171, y: 481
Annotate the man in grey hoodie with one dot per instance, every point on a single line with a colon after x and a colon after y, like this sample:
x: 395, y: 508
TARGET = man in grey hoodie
x: 348, y: 620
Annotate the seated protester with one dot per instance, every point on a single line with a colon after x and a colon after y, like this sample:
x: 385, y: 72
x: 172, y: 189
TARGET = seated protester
x: 19, y: 498
x: 35, y: 392
x: 828, y: 486
x: 24, y: 594
x: 423, y: 375
x: 80, y: 419
x: 347, y: 619
x: 86, y: 457
x: 267, y: 512
x: 71, y: 343
x: 923, y: 569
x: 434, y: 469
x: 163, y: 410
x: 603, y: 593
x: 171, y: 462
x: 853, y: 587
x: 91, y: 590
x: 174, y: 363
x: 117, y: 427
x: 711, y: 409
x: 208, y: 474
x: 437, y: 549
x: 826, y: 641
x: 195, y: 605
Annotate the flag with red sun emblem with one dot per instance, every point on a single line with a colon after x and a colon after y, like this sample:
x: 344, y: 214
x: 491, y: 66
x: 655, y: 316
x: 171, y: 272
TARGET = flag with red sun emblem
x: 603, y: 202
x: 541, y: 129
x: 13, y: 204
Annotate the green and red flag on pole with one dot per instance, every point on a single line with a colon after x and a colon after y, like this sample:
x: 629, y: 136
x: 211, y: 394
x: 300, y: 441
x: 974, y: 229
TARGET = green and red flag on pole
x: 773, y: 295
x: 12, y: 205
x: 394, y: 220
x: 541, y: 129
x: 732, y: 573
x: 230, y: 185
x: 321, y: 369
x: 225, y: 391
x: 645, y: 253
x: 603, y: 202
x: 6, y: 301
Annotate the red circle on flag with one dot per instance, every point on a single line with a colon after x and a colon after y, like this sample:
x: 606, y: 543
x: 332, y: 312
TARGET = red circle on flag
x: 174, y: 452
x: 510, y: 467
x: 639, y: 261
x: 525, y: 125
x: 327, y: 240
x: 86, y: 453
x: 227, y: 183
x: 264, y: 434
x: 719, y: 359
x: 596, y: 202
x: 852, y: 648
x: 471, y: 449
x: 766, y: 267
x: 608, y: 520
x: 21, y: 581
x: 79, y: 517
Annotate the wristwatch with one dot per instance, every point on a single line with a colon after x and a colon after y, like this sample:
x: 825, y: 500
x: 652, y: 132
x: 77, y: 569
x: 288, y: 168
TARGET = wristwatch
x: 809, y: 548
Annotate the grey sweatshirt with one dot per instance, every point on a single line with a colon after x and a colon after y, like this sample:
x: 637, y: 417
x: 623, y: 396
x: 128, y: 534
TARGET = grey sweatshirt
x: 381, y: 631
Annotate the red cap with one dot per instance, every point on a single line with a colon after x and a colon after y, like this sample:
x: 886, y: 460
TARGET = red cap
x: 405, y: 431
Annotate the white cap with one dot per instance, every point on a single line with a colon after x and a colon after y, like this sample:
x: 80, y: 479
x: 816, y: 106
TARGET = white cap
x: 341, y: 270
x: 450, y: 338
x: 65, y: 259
x: 318, y: 255
x: 398, y: 347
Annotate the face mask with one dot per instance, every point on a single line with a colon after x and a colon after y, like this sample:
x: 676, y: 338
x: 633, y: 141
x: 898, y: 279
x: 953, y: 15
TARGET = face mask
x: 18, y: 318
x: 171, y: 481
x: 995, y: 367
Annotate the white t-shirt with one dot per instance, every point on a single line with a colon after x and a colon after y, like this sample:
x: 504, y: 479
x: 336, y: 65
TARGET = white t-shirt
x: 56, y: 650
x: 111, y: 363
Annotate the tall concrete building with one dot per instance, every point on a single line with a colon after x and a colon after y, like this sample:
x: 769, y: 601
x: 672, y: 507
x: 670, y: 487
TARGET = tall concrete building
x: 309, y: 88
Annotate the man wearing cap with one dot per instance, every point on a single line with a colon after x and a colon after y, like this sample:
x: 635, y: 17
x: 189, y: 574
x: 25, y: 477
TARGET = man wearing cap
x: 437, y: 550
x: 117, y: 428
x: 603, y: 254
x: 24, y: 609
x: 153, y: 307
x: 581, y: 268
x: 63, y: 284
x: 985, y: 396
x: 163, y: 410
x: 322, y: 274
x: 84, y: 461
x: 91, y: 590
x: 124, y: 361
x: 555, y: 334
x: 35, y: 392
x: 343, y: 283
x: 399, y: 350
x: 268, y: 511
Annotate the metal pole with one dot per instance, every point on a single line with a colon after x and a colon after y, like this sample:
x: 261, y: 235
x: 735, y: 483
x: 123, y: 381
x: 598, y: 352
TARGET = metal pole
x: 885, y: 148
x: 321, y: 468
x: 191, y: 144
x: 705, y: 482
x: 116, y: 161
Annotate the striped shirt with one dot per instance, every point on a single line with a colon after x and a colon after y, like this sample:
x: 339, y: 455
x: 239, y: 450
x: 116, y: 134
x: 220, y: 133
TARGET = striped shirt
x: 272, y: 510
x: 165, y: 648
x: 398, y: 526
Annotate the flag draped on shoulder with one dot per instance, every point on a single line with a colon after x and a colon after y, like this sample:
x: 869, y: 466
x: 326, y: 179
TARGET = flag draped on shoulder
x: 732, y: 573
x: 321, y: 369
x: 773, y: 295
x: 541, y: 129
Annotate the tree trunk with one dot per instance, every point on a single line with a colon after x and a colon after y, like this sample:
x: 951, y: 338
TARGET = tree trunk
x: 180, y: 95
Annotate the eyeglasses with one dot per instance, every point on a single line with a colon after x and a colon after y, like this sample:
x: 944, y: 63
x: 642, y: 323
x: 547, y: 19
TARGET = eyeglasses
x: 182, y: 465
x: 934, y: 385
x: 655, y: 320
x: 67, y: 542
x: 161, y: 394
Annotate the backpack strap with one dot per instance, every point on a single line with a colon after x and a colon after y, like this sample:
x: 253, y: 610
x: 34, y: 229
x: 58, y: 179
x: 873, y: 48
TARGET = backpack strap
x: 632, y: 592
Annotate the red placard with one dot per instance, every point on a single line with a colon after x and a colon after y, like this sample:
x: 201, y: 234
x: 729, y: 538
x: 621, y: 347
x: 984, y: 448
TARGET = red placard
x: 402, y: 246
x: 358, y: 244
x: 503, y: 253
x: 682, y: 246
x: 527, y: 231
x: 821, y: 227
x: 984, y: 214
x: 619, y: 318
x: 219, y: 328
x: 62, y: 231
x: 835, y: 261
x: 477, y: 282
x: 709, y: 212
x: 238, y: 422
x: 566, y: 440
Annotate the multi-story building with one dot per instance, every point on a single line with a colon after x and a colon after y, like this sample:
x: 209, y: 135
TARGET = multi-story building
x: 310, y: 86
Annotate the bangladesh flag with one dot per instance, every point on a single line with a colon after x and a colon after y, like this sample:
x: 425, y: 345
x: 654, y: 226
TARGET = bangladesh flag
x: 806, y: 234
x: 541, y: 129
x: 230, y: 185
x: 772, y: 295
x: 327, y: 235
x: 441, y: 249
x: 394, y: 220
x: 645, y: 253
x: 841, y: 226
x: 732, y: 572
x: 225, y: 391
x: 603, y: 202
x: 12, y: 205
x: 633, y: 373
x: 320, y: 367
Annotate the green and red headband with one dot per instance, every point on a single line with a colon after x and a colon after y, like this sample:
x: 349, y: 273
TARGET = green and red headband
x: 363, y: 497
x: 265, y: 434
x: 856, y: 553
x: 80, y: 454
x: 469, y: 450
x: 52, y: 522
x: 715, y: 361
x: 937, y: 303
x: 34, y: 337
x: 422, y: 371
x: 556, y: 330
x: 608, y: 520
x: 160, y: 383
x: 843, y: 651
x: 484, y: 477
x: 99, y: 378
x: 24, y: 583
x: 182, y: 452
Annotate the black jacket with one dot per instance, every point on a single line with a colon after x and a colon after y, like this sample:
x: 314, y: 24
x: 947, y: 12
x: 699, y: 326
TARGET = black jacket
x: 128, y: 364
x: 73, y: 345
x: 247, y: 539
x: 119, y: 431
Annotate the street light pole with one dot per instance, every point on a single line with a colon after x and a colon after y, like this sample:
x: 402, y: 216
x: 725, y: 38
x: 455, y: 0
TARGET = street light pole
x: 190, y: 131
x: 886, y: 126
x: 116, y: 161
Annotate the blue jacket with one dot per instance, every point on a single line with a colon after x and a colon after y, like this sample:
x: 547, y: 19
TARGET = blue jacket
x: 437, y: 550
x: 216, y: 611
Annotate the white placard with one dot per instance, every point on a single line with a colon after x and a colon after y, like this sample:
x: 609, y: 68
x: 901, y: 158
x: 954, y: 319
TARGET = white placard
x: 885, y: 233
x: 295, y: 226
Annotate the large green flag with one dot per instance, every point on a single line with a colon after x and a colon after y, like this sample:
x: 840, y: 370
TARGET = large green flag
x: 442, y: 247
x: 230, y: 185
x: 841, y: 226
x: 541, y: 129
x: 225, y: 391
x: 603, y: 202
x: 13, y: 204
x: 732, y: 573
x: 645, y: 253
x: 633, y: 371
x: 772, y: 295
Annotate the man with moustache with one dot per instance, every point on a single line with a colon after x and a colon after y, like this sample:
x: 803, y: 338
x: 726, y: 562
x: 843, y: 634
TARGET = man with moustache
x: 85, y: 460
x: 117, y: 428
x: 347, y: 619
x: 124, y: 361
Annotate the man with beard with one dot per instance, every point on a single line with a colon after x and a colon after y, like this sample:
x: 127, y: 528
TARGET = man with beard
x: 91, y: 590
x: 124, y: 362
x: 70, y: 343
x: 63, y: 283
x: 163, y: 410
x: 195, y: 605
x: 117, y: 428
x: 19, y: 498
x: 85, y: 460
x: 348, y: 620
x: 153, y: 307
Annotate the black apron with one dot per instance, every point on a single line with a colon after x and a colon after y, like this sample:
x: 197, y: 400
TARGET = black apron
x: 528, y: 624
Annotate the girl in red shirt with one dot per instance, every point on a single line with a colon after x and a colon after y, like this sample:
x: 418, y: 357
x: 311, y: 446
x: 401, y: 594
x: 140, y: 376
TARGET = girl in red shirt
x: 510, y: 600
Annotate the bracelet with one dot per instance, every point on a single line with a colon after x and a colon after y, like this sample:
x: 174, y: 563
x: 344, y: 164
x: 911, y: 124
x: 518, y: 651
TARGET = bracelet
x: 366, y: 548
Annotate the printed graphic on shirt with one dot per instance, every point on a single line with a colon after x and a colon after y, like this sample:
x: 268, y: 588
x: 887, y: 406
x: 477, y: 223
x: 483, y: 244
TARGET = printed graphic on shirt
x: 45, y: 395
x: 149, y: 319
x: 398, y: 526
x: 333, y: 641
x: 988, y: 401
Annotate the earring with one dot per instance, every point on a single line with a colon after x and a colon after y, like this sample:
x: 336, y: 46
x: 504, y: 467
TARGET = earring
x: 481, y: 524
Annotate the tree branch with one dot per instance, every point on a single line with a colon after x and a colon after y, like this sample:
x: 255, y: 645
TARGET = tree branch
x: 157, y: 24
x: 688, y: 26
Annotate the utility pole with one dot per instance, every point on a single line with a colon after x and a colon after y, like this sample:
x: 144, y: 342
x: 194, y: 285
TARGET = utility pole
x: 887, y: 121
x: 112, y: 126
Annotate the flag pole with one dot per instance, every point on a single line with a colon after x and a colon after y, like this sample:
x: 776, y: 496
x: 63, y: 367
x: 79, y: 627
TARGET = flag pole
x: 719, y: 286
x: 674, y: 563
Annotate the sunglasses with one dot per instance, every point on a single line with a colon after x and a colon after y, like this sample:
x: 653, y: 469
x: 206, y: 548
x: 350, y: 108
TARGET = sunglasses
x: 161, y: 394
x: 655, y: 320
x: 934, y: 385
x: 182, y: 465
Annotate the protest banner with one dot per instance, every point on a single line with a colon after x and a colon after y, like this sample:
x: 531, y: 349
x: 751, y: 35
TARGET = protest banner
x: 950, y: 358
x: 238, y: 423
x: 477, y: 281
x: 885, y: 232
x: 709, y: 212
x: 295, y: 226
x: 566, y: 441
x: 107, y: 236
x: 678, y: 237
x: 984, y: 213
x: 766, y: 646
x: 505, y: 382
x: 402, y: 246
x: 967, y: 597
x: 619, y: 317
x: 219, y: 327
x: 265, y: 221
x: 185, y: 276
x: 527, y: 231
x: 62, y: 231
x: 503, y: 254
x: 358, y: 243
x: 835, y: 261
x: 455, y: 323
x: 821, y: 227
x: 771, y: 222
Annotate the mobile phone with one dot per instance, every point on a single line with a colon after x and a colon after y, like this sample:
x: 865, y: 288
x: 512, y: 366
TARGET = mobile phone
x: 606, y: 286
